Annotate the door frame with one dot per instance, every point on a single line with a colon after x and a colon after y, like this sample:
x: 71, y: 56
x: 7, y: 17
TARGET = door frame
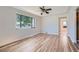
x: 77, y: 25
x: 59, y: 20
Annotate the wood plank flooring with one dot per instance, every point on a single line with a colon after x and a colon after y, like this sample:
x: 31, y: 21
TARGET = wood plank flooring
x: 39, y: 43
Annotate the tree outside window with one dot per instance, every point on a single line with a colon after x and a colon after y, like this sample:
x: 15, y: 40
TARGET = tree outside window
x: 24, y: 21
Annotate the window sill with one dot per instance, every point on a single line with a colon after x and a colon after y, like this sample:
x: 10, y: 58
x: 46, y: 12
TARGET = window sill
x: 25, y: 28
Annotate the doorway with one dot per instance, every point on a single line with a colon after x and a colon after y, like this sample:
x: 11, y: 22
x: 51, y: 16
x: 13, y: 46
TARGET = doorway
x: 62, y: 25
x: 63, y: 32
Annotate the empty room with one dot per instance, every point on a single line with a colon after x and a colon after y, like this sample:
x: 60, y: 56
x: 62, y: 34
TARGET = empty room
x: 39, y: 29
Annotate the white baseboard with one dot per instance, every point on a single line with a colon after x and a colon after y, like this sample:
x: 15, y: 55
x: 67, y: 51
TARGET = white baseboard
x: 51, y: 33
x: 55, y: 33
x: 27, y: 36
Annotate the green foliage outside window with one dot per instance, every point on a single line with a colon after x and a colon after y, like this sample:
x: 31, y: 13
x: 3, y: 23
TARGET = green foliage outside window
x: 24, y: 21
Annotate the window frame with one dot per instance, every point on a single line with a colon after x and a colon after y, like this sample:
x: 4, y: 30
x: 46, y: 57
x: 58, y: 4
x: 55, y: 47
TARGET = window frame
x: 20, y: 27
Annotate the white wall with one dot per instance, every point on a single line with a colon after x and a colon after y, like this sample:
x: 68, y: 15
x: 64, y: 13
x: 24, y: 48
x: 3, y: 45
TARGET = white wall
x: 50, y: 23
x: 8, y: 31
x: 72, y: 23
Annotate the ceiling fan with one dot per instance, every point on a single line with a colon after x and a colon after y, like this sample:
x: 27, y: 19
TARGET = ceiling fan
x: 46, y: 10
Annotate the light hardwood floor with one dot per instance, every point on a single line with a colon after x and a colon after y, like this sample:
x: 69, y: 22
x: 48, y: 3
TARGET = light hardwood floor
x: 40, y: 43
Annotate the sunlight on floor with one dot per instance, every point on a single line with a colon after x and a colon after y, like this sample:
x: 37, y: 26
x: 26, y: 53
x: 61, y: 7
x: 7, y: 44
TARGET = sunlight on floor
x: 64, y: 40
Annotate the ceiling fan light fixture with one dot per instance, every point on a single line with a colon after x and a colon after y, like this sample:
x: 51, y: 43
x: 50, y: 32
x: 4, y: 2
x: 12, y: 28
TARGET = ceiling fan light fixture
x: 45, y: 10
x: 41, y: 13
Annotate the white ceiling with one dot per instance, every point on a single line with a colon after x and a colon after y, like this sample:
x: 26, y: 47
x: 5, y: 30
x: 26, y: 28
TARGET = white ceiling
x: 35, y: 9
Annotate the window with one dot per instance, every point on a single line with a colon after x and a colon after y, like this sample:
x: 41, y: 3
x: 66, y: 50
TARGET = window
x: 25, y: 21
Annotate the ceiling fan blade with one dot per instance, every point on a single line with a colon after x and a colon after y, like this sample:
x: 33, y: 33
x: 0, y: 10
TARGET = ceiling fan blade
x: 42, y: 9
x: 47, y: 12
